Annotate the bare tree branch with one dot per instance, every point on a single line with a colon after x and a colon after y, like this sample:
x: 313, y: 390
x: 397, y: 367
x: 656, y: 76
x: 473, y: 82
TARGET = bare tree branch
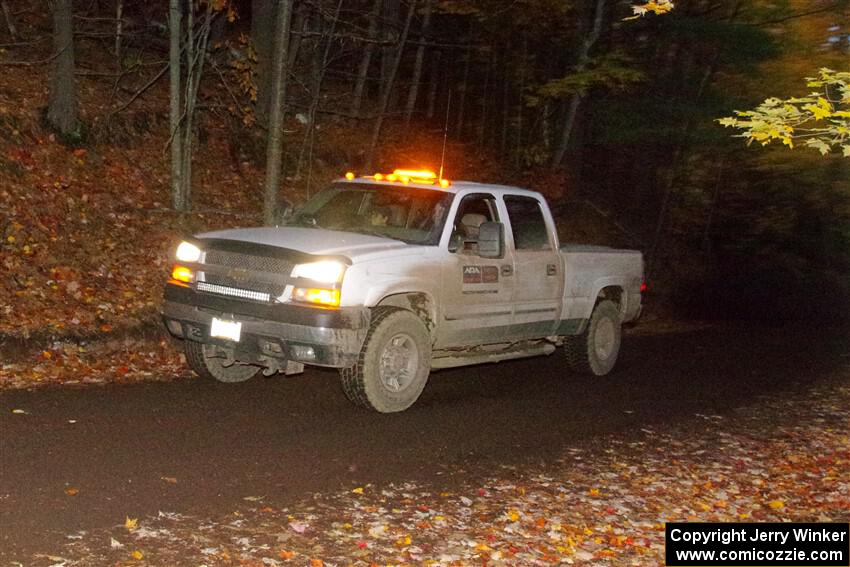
x: 141, y: 91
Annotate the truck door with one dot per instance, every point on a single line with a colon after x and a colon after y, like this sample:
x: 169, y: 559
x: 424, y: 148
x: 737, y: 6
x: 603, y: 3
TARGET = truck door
x: 538, y: 277
x: 477, y: 291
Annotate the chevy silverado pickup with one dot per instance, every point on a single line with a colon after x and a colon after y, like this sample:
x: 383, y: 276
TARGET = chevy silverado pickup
x: 389, y: 276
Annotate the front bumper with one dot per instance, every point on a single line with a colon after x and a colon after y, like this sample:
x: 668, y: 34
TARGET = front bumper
x: 309, y: 335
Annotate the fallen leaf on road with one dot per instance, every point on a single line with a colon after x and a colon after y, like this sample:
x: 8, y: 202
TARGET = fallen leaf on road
x: 72, y: 491
x: 131, y: 523
x: 298, y: 527
x: 137, y: 555
x: 20, y: 412
x: 169, y: 479
x: 377, y: 531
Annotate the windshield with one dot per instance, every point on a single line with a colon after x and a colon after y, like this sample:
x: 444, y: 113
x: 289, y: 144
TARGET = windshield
x: 412, y: 215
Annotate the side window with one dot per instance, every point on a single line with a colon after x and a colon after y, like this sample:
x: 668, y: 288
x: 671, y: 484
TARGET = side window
x: 527, y: 223
x: 471, y: 213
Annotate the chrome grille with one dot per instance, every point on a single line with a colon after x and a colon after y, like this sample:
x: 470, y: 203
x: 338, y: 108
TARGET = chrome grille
x: 234, y: 292
x: 247, y: 262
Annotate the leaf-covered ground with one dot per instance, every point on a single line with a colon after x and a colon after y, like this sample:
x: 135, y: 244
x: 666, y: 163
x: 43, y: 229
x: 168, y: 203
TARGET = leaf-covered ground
x: 778, y: 459
x: 86, y: 233
x: 112, y: 360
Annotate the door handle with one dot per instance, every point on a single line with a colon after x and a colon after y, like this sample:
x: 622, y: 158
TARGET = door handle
x: 551, y: 269
x: 507, y: 270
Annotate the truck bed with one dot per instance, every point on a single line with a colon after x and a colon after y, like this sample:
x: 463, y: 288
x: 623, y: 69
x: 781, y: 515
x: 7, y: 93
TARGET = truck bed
x: 589, y: 269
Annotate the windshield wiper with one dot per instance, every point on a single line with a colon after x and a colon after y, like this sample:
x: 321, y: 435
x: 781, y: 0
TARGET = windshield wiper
x: 306, y: 221
x: 368, y: 231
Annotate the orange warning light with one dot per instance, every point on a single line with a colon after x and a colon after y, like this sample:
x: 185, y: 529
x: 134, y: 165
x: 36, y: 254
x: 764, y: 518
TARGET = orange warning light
x: 415, y: 173
x: 406, y: 176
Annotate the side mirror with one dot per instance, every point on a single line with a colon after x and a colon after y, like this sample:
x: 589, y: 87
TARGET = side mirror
x: 491, y: 240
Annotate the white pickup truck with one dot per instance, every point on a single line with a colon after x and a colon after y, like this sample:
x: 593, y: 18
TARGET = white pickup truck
x: 387, y: 277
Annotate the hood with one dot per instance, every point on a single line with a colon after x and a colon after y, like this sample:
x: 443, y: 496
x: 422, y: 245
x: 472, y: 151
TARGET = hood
x: 310, y: 240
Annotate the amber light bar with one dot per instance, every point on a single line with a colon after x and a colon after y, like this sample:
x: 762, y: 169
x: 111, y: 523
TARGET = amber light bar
x: 407, y: 176
x: 415, y: 174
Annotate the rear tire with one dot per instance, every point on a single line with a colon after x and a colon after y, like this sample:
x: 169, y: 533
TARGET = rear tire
x: 393, y: 365
x: 595, y: 350
x: 202, y: 360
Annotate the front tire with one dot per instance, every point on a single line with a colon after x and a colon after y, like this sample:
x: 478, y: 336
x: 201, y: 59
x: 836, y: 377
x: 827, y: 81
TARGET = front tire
x: 202, y: 359
x: 393, y: 365
x: 595, y: 350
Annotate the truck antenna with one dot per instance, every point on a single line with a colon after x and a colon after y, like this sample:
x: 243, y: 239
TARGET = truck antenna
x: 445, y: 135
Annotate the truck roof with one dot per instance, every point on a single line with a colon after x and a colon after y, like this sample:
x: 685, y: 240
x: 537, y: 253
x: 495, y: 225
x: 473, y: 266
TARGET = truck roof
x: 454, y: 187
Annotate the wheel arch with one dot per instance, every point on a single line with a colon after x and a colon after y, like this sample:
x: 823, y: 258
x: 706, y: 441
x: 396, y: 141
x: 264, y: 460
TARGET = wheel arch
x: 421, y: 303
x: 614, y: 291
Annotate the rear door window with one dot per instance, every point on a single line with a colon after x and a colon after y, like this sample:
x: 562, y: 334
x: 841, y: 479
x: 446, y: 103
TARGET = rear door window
x: 527, y: 223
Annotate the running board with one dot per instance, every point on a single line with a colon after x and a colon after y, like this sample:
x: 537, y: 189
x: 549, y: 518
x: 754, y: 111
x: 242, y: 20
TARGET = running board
x: 485, y: 357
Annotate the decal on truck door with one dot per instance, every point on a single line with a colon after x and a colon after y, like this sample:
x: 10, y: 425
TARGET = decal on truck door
x: 480, y: 274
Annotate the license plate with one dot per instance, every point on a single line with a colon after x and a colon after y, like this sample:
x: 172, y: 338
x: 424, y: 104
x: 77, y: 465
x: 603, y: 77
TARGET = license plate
x: 224, y: 329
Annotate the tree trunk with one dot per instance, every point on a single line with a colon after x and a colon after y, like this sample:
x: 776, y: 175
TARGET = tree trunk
x: 119, y: 32
x: 196, y: 56
x: 262, y: 30
x: 388, y: 88
x: 575, y: 100
x: 464, y: 87
x: 520, y: 116
x: 322, y: 64
x: 317, y: 61
x: 485, y: 95
x: 297, y: 26
x: 366, y: 60
x: 62, y: 108
x: 10, y: 21
x: 390, y: 21
x: 188, y: 105
x: 274, y: 146
x: 175, y: 13
x: 413, y: 93
x: 435, y: 83
x: 503, y: 139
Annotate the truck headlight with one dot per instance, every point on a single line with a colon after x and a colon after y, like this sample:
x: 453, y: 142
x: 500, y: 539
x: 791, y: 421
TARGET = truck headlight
x: 324, y: 271
x: 188, y: 252
x: 327, y: 272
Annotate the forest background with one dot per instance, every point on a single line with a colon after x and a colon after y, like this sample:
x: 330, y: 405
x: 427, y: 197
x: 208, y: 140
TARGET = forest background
x: 109, y: 154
